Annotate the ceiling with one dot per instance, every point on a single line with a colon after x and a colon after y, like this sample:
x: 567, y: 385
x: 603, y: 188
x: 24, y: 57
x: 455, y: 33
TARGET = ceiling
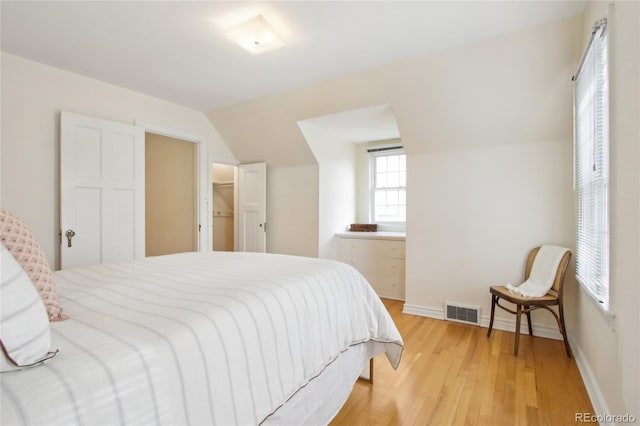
x: 374, y: 123
x: 177, y: 51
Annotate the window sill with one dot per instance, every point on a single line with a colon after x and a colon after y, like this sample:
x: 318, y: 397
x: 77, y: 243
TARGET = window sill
x: 390, y: 227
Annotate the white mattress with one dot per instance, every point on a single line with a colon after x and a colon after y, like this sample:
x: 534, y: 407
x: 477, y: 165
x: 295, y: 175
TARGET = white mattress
x: 203, y: 338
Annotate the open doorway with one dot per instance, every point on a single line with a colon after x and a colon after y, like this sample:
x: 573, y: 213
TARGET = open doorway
x: 224, y: 177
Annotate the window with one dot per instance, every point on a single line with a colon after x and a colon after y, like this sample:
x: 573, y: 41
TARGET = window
x: 591, y: 145
x: 388, y: 185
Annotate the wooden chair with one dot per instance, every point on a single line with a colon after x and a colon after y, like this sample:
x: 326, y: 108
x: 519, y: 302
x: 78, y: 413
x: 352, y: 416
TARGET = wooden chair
x: 524, y: 305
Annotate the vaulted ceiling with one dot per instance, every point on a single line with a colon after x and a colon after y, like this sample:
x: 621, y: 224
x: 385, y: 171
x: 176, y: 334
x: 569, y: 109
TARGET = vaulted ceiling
x: 176, y: 50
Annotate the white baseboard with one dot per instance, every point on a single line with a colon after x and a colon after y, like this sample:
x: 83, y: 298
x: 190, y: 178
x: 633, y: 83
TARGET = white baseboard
x: 590, y: 382
x: 545, y: 331
x: 423, y: 311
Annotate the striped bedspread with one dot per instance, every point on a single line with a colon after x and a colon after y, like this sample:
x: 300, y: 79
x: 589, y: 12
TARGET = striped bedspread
x: 195, y: 338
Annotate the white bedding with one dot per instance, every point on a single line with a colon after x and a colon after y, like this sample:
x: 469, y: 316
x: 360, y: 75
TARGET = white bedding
x: 196, y: 338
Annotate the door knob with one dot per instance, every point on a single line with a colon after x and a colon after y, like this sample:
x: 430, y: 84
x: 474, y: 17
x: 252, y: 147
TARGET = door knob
x: 70, y: 234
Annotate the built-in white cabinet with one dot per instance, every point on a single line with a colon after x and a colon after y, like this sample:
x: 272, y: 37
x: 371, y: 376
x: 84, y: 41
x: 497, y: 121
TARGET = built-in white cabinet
x: 379, y: 256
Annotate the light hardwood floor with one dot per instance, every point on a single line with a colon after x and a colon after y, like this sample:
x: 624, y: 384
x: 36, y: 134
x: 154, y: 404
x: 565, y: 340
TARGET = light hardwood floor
x: 452, y: 374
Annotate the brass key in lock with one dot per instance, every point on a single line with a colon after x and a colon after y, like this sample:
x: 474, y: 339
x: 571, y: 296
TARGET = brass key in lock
x: 70, y: 234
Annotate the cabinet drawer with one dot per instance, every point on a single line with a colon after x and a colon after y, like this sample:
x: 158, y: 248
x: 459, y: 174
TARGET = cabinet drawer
x: 378, y: 266
x: 388, y: 280
x: 387, y: 274
x: 388, y: 248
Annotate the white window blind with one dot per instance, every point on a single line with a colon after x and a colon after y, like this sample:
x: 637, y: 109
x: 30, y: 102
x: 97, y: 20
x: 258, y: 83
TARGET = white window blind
x: 591, y: 145
x: 389, y: 185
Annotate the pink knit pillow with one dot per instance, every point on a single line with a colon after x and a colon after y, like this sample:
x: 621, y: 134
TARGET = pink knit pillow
x: 23, y: 245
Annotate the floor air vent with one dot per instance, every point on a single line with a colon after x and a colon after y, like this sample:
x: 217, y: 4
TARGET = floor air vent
x: 462, y: 313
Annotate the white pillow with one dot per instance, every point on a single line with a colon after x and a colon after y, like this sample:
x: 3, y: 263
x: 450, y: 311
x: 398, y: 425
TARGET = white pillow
x: 24, y: 324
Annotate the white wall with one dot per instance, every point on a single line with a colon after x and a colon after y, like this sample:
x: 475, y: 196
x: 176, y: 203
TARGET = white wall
x: 477, y: 214
x: 608, y: 349
x: 336, y: 185
x: 292, y: 210
x: 512, y: 89
x: 490, y: 166
x: 32, y: 97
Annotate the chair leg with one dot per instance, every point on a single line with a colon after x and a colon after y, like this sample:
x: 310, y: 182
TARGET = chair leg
x: 493, y: 311
x: 529, y: 320
x: 563, y: 330
x: 518, y: 315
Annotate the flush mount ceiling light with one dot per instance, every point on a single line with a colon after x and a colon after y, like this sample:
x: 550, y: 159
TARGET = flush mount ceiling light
x: 255, y: 35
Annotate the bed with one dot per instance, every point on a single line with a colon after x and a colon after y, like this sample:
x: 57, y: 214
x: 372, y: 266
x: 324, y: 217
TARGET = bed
x: 204, y: 338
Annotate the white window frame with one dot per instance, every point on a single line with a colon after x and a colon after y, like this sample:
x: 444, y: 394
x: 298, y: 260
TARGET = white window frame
x: 591, y: 152
x: 373, y: 154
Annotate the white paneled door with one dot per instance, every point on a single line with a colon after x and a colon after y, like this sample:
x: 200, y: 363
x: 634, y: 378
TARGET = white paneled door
x: 102, y: 191
x: 252, y: 203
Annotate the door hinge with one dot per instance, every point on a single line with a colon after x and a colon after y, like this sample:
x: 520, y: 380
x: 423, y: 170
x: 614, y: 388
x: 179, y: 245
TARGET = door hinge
x: 199, y: 227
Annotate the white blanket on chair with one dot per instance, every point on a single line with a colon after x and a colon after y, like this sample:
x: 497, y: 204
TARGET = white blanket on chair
x: 543, y: 273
